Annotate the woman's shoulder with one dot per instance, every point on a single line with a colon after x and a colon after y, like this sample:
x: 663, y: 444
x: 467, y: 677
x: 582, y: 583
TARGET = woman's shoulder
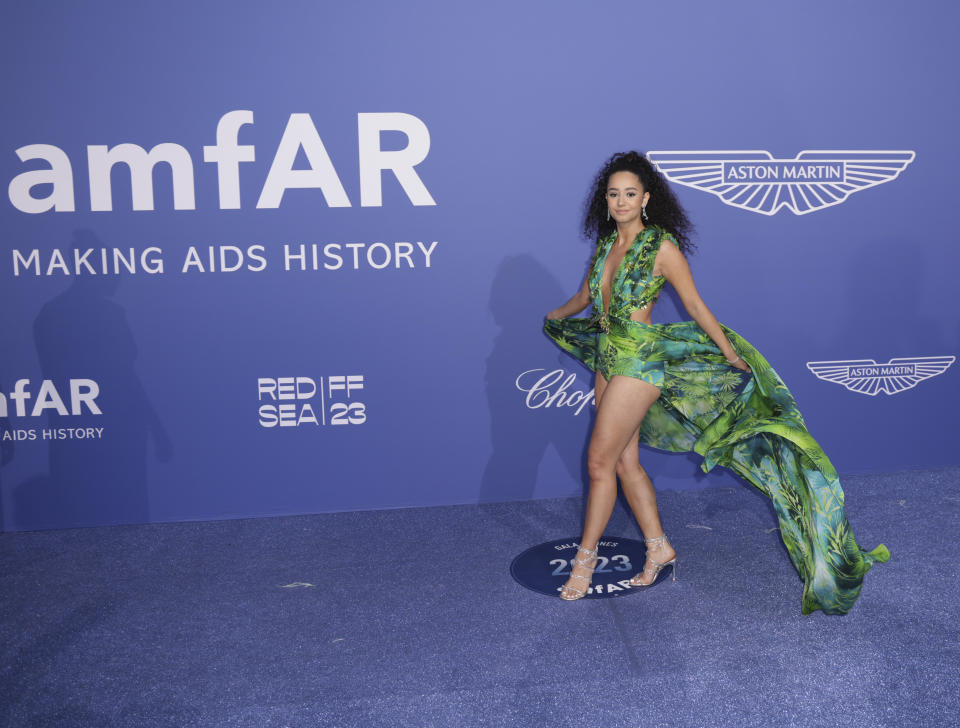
x: 664, y: 235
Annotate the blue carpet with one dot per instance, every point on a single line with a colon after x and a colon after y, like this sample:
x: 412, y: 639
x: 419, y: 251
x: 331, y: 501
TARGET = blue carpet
x: 413, y: 619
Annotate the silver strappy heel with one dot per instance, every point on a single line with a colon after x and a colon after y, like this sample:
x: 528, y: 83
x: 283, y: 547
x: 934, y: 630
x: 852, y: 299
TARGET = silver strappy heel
x: 586, y: 563
x: 656, y: 565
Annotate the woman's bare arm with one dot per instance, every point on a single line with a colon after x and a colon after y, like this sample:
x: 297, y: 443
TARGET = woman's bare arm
x: 673, y: 266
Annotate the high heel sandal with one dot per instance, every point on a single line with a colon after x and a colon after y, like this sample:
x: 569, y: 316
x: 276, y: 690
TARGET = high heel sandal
x: 656, y: 565
x: 585, y: 563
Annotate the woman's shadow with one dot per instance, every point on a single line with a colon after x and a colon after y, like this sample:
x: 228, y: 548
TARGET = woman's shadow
x: 521, y: 294
x: 83, y: 333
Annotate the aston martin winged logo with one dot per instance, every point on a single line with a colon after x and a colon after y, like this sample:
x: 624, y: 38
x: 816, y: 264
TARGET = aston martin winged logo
x: 756, y: 181
x: 868, y: 377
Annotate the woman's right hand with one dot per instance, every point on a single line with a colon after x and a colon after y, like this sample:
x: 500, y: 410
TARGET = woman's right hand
x: 554, y: 314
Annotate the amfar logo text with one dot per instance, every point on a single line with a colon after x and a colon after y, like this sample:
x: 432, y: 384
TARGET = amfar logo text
x: 868, y: 377
x: 227, y: 154
x: 83, y: 393
x: 755, y: 181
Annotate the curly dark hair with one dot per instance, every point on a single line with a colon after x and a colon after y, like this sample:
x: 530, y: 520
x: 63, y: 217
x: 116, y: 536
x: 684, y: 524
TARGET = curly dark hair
x: 663, y: 209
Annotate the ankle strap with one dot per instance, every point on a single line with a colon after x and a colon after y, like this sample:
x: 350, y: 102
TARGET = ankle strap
x: 658, y: 540
x: 591, y: 552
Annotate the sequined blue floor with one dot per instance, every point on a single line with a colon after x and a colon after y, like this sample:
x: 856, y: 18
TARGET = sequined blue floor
x: 410, y: 618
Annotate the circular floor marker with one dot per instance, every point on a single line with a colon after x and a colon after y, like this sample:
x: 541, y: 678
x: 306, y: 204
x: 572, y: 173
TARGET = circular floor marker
x: 546, y: 567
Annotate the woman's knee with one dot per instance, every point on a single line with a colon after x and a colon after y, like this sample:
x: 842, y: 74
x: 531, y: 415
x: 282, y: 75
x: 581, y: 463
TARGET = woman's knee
x: 600, y: 464
x: 625, y: 469
x: 629, y: 467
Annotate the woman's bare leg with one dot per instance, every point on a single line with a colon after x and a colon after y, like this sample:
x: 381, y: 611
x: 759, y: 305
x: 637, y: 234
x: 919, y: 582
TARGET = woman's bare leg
x: 638, y: 488
x: 622, y: 404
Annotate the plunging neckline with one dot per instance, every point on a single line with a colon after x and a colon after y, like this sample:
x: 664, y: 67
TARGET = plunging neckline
x: 605, y: 307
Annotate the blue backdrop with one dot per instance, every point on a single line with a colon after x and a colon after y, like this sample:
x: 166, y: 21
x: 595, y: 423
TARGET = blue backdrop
x: 354, y: 274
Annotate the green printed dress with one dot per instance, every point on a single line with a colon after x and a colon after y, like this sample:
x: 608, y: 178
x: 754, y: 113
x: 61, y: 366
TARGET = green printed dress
x: 752, y: 428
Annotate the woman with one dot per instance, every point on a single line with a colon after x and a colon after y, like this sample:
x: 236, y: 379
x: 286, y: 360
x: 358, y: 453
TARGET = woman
x: 694, y: 385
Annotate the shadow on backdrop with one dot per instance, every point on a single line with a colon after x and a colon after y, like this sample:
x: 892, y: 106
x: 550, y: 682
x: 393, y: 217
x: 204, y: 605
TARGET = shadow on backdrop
x: 522, y: 292
x: 83, y: 333
x: 7, y: 451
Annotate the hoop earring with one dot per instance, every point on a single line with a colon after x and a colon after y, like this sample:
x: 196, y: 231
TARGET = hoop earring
x: 643, y: 210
